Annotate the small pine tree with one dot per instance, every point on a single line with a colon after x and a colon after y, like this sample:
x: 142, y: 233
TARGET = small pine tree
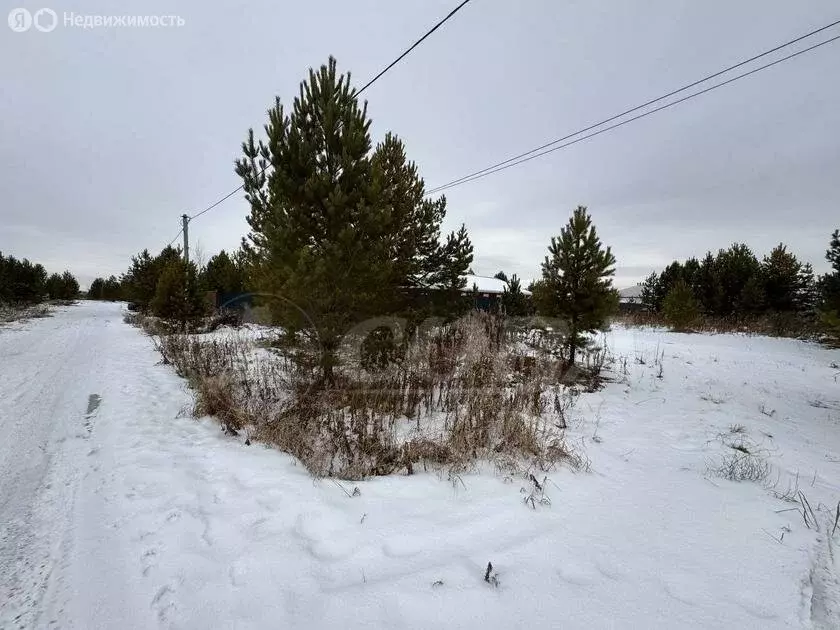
x: 832, y: 254
x: 69, y: 286
x: 737, y: 273
x: 680, y: 307
x: 708, y: 287
x: 808, y: 294
x: 785, y: 280
x: 112, y: 289
x: 338, y: 231
x: 96, y: 289
x: 752, y: 299
x: 177, y: 296
x: 224, y: 274
x: 577, y: 285
x: 55, y: 287
x: 141, y: 280
x: 650, y: 293
x: 829, y: 291
x: 514, y: 300
x: 670, y: 276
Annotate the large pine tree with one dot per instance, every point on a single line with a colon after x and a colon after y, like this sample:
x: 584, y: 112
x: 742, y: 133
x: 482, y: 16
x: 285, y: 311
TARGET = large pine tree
x: 576, y: 281
x: 339, y: 232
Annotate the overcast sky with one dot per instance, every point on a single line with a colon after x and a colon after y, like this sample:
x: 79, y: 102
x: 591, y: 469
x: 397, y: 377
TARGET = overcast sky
x: 108, y: 135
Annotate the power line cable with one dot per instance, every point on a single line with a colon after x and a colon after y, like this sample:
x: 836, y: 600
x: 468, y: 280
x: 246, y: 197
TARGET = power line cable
x: 366, y: 86
x: 494, y: 167
x: 223, y: 199
x: 181, y: 231
x: 413, y: 46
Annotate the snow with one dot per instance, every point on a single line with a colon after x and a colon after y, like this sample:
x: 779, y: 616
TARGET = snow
x: 483, y: 284
x: 127, y: 513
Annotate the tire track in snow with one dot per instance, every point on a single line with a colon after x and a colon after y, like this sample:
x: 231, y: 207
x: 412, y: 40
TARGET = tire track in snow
x: 48, y: 363
x: 822, y: 586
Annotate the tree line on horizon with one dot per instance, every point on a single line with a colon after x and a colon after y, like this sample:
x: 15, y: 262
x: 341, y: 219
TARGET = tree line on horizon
x: 23, y: 282
x: 736, y: 284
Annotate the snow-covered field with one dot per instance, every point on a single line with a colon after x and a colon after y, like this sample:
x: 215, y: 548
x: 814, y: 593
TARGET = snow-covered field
x: 120, y: 511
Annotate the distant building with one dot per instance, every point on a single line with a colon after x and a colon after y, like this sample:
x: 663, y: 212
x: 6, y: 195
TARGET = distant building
x: 630, y: 299
x: 630, y: 295
x: 488, y: 291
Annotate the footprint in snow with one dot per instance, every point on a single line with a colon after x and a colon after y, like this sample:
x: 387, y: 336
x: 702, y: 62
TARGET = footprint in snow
x: 611, y: 571
x: 163, y: 602
x: 148, y: 560
x: 683, y: 588
x: 402, y: 547
x: 331, y: 549
x: 576, y: 574
x: 758, y: 607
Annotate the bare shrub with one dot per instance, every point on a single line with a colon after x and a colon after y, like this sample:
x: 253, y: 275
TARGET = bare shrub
x: 149, y: 324
x: 216, y: 396
x: 742, y: 465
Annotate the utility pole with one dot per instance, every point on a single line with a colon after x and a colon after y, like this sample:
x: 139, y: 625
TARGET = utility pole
x: 186, y: 229
x: 185, y: 223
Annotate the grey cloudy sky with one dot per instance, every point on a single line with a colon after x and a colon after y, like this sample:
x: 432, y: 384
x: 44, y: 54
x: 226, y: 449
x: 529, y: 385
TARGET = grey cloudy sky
x: 108, y: 135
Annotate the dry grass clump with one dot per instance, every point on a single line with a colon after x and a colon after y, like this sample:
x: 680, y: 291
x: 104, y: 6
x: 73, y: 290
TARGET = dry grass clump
x: 445, y: 396
x: 10, y: 313
x: 770, y: 324
x: 743, y: 460
x: 742, y: 466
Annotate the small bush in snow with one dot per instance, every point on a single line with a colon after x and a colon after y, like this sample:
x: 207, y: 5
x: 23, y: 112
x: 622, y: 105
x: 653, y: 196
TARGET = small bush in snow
x: 680, y: 307
x: 742, y: 465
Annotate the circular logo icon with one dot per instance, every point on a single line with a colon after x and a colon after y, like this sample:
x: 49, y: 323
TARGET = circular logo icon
x: 45, y: 20
x: 20, y: 20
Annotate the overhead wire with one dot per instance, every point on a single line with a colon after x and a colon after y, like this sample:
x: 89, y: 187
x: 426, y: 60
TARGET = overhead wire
x: 440, y: 23
x: 518, y: 159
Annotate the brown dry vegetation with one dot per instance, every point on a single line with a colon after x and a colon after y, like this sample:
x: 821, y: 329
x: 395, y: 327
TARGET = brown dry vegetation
x: 20, y: 313
x: 467, y: 391
x: 771, y: 324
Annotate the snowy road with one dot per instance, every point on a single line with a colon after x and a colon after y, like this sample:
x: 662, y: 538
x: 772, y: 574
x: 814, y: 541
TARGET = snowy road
x: 117, y: 510
x: 49, y: 368
x: 59, y: 377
